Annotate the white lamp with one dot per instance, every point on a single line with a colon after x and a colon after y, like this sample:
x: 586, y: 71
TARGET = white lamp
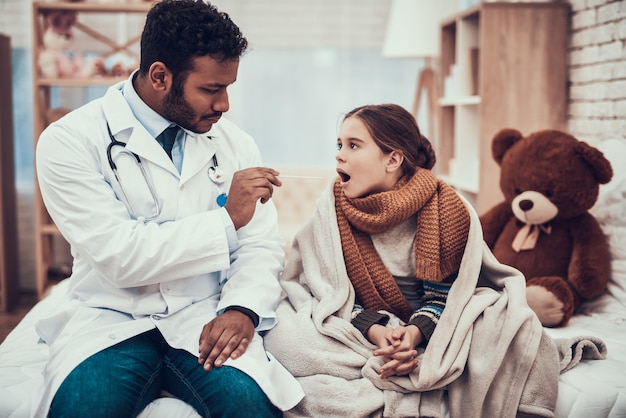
x: 413, y: 32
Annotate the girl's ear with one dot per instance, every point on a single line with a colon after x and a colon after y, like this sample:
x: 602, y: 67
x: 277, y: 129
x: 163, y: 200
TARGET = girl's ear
x: 394, y: 161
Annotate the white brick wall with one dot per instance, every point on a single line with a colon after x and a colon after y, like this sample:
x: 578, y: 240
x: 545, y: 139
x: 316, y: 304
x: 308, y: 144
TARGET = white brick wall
x: 597, y: 69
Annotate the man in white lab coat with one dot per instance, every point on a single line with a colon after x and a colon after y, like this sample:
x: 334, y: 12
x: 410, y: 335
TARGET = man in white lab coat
x: 176, y: 258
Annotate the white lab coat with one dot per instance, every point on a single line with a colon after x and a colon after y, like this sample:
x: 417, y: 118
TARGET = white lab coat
x: 172, y: 275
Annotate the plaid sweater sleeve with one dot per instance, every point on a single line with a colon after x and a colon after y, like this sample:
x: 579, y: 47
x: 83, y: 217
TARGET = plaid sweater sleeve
x: 433, y: 304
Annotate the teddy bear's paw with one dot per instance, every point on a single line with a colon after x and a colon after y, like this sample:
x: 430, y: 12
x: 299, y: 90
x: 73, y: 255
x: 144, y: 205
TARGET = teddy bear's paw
x: 545, y: 304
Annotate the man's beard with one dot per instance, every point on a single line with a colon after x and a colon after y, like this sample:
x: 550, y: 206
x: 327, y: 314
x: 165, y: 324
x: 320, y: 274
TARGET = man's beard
x: 177, y: 110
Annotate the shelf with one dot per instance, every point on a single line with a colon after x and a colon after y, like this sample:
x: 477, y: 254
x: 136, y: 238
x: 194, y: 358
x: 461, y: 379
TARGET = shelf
x: 459, y: 101
x: 140, y: 7
x: 101, y: 30
x: 79, y: 82
x: 492, y: 57
x: 50, y: 229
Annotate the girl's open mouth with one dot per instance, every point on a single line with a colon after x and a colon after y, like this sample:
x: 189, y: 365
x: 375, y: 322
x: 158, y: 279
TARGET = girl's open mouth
x: 343, y: 176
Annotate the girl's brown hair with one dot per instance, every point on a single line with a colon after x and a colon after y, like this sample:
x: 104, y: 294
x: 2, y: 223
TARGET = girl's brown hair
x: 393, y: 128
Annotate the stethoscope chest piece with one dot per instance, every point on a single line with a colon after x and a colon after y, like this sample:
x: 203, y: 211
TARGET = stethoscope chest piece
x: 215, y: 172
x: 216, y: 175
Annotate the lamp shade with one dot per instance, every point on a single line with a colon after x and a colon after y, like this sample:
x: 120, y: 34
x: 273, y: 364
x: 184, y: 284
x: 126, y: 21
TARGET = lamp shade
x: 413, y: 27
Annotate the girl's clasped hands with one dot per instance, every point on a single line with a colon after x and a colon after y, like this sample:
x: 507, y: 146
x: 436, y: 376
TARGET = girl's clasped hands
x: 396, y: 346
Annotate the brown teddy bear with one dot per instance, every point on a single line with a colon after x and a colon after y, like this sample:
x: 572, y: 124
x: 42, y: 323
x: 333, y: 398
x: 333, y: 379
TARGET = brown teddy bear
x: 543, y: 227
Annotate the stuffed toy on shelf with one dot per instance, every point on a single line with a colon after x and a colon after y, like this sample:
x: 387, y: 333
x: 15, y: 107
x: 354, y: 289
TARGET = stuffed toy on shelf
x: 543, y: 228
x: 118, y: 64
x: 57, y: 58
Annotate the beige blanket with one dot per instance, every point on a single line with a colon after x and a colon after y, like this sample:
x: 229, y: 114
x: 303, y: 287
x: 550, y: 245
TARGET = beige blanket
x: 489, y: 350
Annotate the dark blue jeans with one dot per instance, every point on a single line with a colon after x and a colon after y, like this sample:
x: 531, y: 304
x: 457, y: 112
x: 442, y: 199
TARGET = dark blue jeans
x: 121, y: 380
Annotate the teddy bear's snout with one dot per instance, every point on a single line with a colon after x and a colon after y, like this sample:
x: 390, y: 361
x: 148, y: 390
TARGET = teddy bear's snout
x: 533, y: 208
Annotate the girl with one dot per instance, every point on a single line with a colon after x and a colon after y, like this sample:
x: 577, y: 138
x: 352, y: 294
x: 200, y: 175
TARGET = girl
x: 385, y: 272
x: 402, y: 230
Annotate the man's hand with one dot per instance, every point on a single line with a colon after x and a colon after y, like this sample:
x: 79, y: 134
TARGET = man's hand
x: 228, y: 335
x: 247, y: 187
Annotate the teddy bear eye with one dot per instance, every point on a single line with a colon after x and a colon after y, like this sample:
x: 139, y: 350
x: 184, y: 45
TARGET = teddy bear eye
x: 549, y: 193
x: 518, y: 191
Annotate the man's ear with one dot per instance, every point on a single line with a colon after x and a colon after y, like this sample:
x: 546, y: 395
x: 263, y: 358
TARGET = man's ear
x: 394, y: 161
x: 160, y: 76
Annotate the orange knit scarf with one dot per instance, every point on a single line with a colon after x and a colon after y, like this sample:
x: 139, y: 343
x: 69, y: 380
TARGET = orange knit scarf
x: 442, y: 230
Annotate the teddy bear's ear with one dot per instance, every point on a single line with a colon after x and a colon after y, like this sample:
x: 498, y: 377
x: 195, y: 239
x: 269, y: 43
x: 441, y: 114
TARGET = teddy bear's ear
x: 600, y: 166
x: 502, y: 141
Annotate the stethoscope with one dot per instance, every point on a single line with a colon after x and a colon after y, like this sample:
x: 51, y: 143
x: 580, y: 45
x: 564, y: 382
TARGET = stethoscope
x: 214, y: 172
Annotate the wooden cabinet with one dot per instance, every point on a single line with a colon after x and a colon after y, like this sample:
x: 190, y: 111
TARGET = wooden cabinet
x: 503, y: 65
x: 104, y: 32
x: 9, y: 271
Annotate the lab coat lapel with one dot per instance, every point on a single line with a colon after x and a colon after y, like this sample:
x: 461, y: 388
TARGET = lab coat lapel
x: 125, y: 127
x: 143, y: 144
x: 199, y: 150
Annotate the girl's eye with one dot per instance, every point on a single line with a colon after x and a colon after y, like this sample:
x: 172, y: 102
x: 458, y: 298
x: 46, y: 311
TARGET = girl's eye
x: 338, y: 145
x: 353, y: 146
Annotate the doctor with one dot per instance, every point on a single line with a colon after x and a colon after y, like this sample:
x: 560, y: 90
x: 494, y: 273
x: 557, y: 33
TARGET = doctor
x: 175, y: 259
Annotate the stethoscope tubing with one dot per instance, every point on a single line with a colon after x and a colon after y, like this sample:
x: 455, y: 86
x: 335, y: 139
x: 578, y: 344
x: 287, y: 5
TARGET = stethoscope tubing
x: 215, y: 174
x: 155, y: 198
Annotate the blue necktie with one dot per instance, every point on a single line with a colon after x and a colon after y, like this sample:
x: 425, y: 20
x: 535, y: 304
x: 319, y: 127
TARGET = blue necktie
x: 167, y: 138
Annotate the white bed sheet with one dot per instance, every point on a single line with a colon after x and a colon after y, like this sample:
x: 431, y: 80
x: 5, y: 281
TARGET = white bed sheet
x: 593, y: 388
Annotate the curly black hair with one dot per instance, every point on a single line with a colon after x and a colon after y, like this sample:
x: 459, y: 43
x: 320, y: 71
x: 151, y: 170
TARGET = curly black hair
x: 177, y: 31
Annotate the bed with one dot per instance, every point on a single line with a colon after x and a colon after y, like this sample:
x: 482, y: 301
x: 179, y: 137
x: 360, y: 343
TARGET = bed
x: 593, y: 388
x: 598, y: 388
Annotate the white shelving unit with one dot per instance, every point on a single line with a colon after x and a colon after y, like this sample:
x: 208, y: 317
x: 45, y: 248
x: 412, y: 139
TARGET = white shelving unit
x: 103, y: 29
x: 504, y: 65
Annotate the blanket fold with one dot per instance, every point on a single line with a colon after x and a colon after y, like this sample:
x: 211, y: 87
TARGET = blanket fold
x: 489, y: 353
x: 573, y: 350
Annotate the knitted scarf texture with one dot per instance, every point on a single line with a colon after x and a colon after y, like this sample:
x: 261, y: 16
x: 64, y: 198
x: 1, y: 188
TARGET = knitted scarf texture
x: 440, y: 238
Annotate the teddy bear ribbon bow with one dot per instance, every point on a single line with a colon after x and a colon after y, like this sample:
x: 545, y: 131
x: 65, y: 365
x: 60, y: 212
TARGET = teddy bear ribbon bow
x: 526, y: 238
